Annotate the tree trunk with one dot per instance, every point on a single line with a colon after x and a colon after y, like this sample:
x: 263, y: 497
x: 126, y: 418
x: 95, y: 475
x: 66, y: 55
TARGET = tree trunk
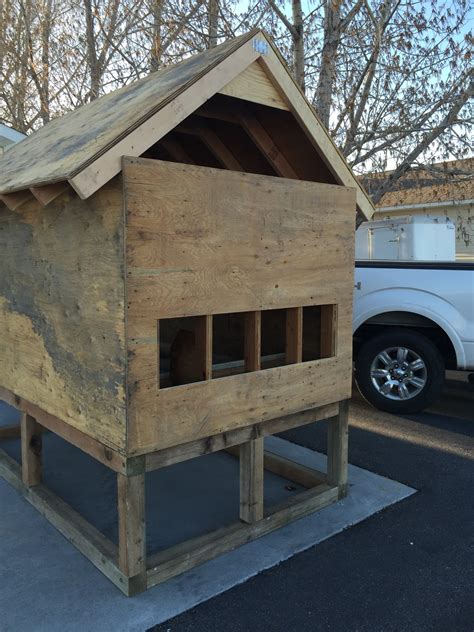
x: 156, y: 46
x: 92, y: 57
x: 298, y: 43
x: 327, y: 74
x: 213, y: 12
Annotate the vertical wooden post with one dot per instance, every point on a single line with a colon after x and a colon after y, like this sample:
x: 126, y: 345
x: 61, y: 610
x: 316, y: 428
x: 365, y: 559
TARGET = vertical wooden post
x: 338, y: 430
x: 251, y: 452
x: 132, y: 524
x: 204, y: 345
x: 251, y: 480
x: 294, y: 335
x: 31, y: 444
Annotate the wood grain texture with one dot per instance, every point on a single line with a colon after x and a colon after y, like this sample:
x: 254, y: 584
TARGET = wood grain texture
x: 202, y: 241
x: 132, y: 524
x: 251, y: 480
x: 207, y: 241
x: 253, y: 84
x: 62, y: 310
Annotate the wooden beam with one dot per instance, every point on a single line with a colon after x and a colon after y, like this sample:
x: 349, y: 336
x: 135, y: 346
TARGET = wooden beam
x: 132, y: 524
x: 176, y: 151
x: 86, y: 538
x: 214, y: 144
x: 294, y: 335
x: 266, y: 145
x: 338, y: 430
x: 30, y: 451
x: 191, y: 553
x: 251, y: 480
x: 104, y: 168
x: 254, y: 85
x: 106, y: 455
x: 185, y: 451
x: 12, y: 431
x: 279, y: 465
x: 49, y: 192
x: 15, y: 200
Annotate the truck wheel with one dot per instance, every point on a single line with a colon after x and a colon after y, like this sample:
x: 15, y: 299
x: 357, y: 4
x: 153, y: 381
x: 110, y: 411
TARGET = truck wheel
x: 399, y: 371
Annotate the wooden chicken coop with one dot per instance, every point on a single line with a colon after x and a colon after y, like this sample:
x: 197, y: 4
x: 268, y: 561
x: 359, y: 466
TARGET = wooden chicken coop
x: 176, y: 276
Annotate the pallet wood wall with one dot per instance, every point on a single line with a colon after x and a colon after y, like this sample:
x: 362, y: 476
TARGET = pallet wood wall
x: 61, y: 310
x: 203, y: 242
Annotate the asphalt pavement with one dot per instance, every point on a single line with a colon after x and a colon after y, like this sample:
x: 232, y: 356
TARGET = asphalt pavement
x: 409, y: 568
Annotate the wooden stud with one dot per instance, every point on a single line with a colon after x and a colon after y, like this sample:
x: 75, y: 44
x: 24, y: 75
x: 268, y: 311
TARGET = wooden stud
x: 132, y: 524
x: 265, y: 143
x: 338, y: 431
x: 251, y: 480
x: 252, y: 341
x: 15, y: 200
x: 328, y: 331
x: 50, y: 192
x: 30, y: 450
x: 204, y: 345
x: 294, y: 335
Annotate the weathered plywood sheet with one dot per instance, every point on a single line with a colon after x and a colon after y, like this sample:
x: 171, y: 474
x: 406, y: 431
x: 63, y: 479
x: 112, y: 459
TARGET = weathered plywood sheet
x: 63, y: 146
x: 254, y: 85
x: 62, y: 310
x: 207, y: 241
x: 185, y: 413
x: 203, y: 241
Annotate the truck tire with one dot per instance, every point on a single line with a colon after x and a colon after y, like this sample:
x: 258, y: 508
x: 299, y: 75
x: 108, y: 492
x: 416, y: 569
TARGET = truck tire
x: 400, y: 371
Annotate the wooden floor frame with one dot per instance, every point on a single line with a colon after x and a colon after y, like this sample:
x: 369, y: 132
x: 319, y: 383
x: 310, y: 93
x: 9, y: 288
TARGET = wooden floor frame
x: 126, y: 565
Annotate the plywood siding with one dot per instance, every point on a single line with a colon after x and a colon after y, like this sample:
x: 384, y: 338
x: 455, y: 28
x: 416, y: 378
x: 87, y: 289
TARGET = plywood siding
x: 61, y: 310
x: 204, y: 241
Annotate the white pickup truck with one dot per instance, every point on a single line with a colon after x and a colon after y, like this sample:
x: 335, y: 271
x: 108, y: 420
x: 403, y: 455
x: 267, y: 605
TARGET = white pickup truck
x: 412, y: 321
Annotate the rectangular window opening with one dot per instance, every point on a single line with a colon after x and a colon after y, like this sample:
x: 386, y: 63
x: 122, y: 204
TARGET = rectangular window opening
x: 228, y: 344
x: 185, y: 350
x: 319, y: 332
x: 273, y: 347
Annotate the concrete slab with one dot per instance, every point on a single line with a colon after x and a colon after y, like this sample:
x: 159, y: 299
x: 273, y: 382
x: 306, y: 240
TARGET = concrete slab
x: 46, y: 585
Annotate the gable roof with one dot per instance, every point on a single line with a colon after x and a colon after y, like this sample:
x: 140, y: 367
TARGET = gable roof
x: 85, y: 147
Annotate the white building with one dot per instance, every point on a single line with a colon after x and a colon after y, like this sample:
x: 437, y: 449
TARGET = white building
x: 8, y: 136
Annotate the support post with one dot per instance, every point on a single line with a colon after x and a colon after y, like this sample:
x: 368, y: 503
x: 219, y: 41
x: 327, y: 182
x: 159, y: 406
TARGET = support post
x: 251, y: 452
x: 132, y: 525
x: 31, y: 445
x: 251, y: 480
x: 338, y: 430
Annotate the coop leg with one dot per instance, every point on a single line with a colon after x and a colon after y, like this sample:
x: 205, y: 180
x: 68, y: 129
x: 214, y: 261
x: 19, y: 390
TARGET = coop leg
x: 30, y: 450
x: 251, y: 480
x: 132, y: 528
x: 337, y: 449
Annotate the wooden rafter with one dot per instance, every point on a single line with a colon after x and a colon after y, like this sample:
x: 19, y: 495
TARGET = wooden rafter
x: 15, y: 200
x: 176, y: 150
x: 215, y: 145
x: 266, y: 145
x: 49, y: 192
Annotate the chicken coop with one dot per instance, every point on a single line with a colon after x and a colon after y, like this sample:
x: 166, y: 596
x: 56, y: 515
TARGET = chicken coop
x: 176, y: 277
